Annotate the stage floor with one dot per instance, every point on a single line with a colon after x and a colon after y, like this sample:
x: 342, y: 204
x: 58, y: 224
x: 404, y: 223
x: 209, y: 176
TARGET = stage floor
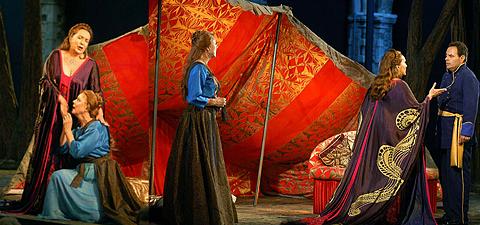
x: 270, y: 210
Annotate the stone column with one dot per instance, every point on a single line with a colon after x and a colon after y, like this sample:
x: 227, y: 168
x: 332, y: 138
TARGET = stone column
x: 383, y: 25
x: 53, y: 20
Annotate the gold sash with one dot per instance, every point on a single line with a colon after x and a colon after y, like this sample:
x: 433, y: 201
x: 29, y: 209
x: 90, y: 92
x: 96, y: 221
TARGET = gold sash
x: 456, y: 152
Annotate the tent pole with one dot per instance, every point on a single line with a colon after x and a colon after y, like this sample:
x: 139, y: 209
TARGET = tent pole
x: 264, y: 137
x: 155, y: 103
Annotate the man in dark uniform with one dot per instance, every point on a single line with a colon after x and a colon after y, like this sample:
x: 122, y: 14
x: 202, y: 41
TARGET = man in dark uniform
x: 455, y: 128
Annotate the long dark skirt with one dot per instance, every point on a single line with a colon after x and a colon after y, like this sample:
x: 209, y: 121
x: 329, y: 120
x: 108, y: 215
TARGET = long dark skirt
x: 196, y: 189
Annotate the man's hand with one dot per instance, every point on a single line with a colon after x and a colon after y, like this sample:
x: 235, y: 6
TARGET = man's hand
x: 464, y: 139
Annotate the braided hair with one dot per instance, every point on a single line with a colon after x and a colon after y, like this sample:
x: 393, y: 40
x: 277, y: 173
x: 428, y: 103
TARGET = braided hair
x: 94, y: 102
x: 201, y: 40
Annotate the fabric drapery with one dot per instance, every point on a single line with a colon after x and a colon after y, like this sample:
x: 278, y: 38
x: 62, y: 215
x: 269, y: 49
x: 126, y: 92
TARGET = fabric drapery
x: 387, y: 162
x: 317, y: 91
x: 48, y: 126
x: 311, y: 79
x: 119, y: 201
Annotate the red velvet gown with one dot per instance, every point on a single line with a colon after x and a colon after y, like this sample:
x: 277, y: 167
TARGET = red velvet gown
x: 48, y: 126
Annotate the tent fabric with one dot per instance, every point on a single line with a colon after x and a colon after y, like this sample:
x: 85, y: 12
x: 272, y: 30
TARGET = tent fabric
x: 317, y: 91
x: 122, y: 64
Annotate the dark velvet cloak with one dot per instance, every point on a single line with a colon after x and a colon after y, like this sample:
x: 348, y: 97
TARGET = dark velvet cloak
x: 387, y: 161
x: 48, y: 127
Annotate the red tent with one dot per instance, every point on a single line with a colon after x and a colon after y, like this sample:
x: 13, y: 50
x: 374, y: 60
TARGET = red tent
x: 317, y: 91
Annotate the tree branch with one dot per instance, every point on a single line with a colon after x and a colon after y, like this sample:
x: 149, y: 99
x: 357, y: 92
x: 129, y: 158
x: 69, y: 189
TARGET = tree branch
x: 414, y: 38
x: 437, y: 36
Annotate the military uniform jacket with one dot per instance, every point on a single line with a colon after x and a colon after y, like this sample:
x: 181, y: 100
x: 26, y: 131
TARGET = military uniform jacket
x: 461, y: 97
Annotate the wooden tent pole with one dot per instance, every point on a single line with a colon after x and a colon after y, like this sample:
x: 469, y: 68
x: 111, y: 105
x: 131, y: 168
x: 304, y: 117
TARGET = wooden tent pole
x: 155, y: 103
x: 265, y: 125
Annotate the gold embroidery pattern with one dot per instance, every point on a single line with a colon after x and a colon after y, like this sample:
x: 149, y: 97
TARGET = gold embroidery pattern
x: 389, y: 160
x: 337, y: 154
x: 298, y: 62
x: 405, y: 118
x: 342, y: 110
x: 179, y: 20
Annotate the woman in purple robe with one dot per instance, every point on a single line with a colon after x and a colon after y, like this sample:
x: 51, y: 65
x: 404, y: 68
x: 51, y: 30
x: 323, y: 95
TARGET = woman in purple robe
x: 67, y: 71
x: 388, y: 157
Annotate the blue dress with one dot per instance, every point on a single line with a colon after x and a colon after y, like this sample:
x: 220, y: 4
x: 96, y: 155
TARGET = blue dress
x: 201, y: 86
x: 196, y: 189
x: 64, y: 202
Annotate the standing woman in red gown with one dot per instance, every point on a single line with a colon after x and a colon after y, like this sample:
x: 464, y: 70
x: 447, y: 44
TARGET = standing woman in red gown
x: 67, y: 71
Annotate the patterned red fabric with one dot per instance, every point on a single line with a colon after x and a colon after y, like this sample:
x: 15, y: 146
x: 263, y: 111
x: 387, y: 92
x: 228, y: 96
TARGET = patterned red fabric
x: 334, y: 145
x: 312, y: 98
x: 123, y: 75
x: 293, y: 180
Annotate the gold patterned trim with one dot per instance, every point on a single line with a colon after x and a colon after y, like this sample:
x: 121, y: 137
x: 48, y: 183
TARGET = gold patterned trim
x: 350, y: 68
x: 389, y: 160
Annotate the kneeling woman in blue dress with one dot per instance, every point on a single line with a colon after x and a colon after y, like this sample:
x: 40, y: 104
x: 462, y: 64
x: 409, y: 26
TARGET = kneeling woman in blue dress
x: 96, y: 191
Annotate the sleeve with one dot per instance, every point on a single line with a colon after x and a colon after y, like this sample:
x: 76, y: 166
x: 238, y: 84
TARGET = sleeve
x: 46, y: 82
x: 85, y: 143
x: 45, y: 71
x: 409, y: 98
x: 63, y: 149
x: 470, y: 104
x: 196, y: 81
x: 47, y: 91
x: 94, y: 83
x: 94, y: 80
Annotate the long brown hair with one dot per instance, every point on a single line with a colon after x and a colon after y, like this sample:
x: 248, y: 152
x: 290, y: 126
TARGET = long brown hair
x: 94, y: 102
x: 65, y: 45
x: 387, y: 71
x: 201, y: 40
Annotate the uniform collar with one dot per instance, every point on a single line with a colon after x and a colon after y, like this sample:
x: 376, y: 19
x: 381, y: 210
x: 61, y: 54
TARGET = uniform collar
x: 458, y: 68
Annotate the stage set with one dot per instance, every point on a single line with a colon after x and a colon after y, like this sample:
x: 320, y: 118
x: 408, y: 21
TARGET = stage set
x: 315, y: 98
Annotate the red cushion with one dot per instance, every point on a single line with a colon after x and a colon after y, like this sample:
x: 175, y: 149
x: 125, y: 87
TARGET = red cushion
x: 327, y: 173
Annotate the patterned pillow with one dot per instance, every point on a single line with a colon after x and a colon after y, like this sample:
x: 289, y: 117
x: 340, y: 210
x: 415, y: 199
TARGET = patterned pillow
x: 338, y: 152
x: 334, y: 152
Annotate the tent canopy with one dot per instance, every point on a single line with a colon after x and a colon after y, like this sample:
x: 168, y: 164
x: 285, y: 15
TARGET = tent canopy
x: 317, y: 91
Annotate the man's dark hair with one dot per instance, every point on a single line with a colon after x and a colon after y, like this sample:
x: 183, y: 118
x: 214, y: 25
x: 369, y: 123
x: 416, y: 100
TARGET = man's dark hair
x: 461, y: 48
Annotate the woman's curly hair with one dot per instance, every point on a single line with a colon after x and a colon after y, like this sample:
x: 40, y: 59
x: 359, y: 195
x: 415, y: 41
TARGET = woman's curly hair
x: 387, y: 71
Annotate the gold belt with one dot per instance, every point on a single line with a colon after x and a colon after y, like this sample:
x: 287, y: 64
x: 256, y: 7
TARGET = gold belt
x: 456, y: 150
